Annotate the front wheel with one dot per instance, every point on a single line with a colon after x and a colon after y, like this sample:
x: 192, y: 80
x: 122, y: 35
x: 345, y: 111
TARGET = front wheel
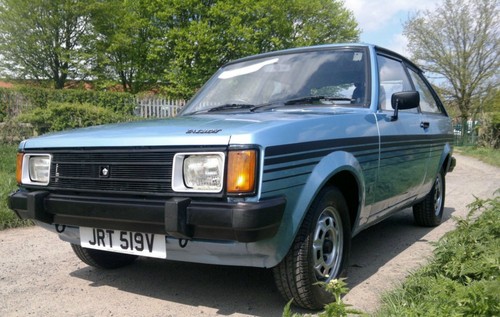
x: 102, y: 259
x: 320, y: 252
x: 429, y: 212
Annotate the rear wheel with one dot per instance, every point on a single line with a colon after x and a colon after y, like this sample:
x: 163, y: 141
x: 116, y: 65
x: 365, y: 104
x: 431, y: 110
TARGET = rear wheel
x: 319, y: 253
x: 102, y: 259
x: 429, y: 212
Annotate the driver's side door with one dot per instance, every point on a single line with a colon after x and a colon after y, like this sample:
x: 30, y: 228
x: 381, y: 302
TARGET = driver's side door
x: 404, y: 149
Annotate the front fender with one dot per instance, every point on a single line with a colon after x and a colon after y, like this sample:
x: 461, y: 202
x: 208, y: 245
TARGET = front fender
x: 321, y: 176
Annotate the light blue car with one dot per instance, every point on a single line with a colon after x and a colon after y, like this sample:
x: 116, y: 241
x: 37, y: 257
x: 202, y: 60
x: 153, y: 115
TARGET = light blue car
x: 277, y: 162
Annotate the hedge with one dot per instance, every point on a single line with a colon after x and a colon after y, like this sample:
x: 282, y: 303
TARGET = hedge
x: 14, y: 101
x: 62, y: 116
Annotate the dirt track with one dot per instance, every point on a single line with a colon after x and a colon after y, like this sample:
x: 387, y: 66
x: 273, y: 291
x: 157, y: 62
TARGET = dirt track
x: 40, y: 275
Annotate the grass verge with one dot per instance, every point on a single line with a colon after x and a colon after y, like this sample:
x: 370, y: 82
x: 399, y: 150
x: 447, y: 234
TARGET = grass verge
x: 487, y: 155
x: 463, y: 279
x: 8, y: 219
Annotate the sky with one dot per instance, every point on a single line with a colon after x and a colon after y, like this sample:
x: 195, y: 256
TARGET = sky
x: 381, y: 21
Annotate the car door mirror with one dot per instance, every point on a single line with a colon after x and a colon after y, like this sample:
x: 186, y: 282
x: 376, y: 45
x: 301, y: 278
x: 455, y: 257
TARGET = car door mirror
x: 404, y: 100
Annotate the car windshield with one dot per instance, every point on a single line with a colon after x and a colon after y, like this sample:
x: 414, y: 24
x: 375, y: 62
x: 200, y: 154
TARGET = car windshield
x: 331, y: 77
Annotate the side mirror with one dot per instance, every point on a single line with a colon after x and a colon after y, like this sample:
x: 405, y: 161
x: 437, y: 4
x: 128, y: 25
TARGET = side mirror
x: 404, y: 100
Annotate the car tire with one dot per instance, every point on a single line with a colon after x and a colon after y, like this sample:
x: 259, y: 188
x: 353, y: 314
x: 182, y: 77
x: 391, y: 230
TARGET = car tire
x: 429, y: 212
x: 320, y: 252
x: 102, y: 259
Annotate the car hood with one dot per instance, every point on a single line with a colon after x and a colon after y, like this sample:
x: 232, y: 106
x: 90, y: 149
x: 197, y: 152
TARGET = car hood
x: 207, y: 129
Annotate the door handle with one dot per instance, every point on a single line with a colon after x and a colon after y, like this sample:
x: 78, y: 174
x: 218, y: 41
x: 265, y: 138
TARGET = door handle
x: 424, y: 124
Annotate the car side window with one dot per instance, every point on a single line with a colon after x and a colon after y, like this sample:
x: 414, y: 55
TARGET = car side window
x: 427, y: 101
x: 393, y: 78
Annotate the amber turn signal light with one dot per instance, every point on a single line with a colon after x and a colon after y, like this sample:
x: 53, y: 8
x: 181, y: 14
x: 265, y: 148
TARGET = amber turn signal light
x: 241, y: 171
x: 19, y: 167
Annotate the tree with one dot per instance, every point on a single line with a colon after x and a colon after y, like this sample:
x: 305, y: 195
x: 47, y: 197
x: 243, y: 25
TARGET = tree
x: 174, y: 43
x: 45, y: 39
x: 125, y: 34
x: 200, y: 36
x: 459, y: 41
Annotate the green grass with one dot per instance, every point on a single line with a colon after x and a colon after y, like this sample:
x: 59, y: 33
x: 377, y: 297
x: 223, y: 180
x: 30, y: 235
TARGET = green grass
x: 463, y: 278
x: 487, y: 155
x: 8, y: 218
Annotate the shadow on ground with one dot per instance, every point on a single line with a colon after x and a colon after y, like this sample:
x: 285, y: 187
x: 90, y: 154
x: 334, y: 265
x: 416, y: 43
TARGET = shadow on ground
x: 377, y: 245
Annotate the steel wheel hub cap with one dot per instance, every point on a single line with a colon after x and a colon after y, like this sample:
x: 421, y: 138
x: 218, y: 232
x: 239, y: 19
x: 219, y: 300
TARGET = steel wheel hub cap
x: 327, y: 245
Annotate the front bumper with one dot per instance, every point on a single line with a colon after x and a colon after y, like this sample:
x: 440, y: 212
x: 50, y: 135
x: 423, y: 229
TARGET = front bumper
x: 177, y: 217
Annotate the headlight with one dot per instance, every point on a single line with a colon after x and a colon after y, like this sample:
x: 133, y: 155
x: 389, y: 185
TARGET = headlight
x: 33, y: 169
x: 198, y: 172
x: 203, y: 172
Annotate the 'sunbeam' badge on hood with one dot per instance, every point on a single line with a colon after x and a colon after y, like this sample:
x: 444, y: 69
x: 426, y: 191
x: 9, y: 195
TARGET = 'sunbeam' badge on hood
x: 203, y: 131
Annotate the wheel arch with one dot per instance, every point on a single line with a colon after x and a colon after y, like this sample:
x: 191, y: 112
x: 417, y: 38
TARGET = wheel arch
x: 447, y: 158
x: 347, y: 183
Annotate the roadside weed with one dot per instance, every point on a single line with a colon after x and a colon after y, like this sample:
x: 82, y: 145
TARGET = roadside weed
x: 7, y: 185
x: 337, y: 287
x: 463, y: 278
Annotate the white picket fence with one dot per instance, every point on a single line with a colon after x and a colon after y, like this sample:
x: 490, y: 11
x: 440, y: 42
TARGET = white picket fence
x: 155, y: 107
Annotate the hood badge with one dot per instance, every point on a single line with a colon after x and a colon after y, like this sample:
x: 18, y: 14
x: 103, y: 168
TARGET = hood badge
x: 203, y: 131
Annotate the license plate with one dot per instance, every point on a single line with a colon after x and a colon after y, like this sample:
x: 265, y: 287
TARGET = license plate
x: 137, y: 243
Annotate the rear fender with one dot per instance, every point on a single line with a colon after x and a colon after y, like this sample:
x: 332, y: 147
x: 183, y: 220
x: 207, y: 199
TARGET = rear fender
x: 446, y: 157
x: 444, y: 160
x: 432, y: 171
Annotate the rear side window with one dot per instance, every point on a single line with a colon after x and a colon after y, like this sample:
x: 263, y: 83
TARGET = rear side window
x: 427, y: 101
x: 393, y: 78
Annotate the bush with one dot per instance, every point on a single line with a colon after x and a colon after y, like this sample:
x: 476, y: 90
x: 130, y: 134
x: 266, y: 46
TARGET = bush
x: 18, y: 100
x: 8, y: 218
x: 489, y: 131
x: 10, y: 103
x: 119, y: 102
x: 12, y: 132
x: 61, y: 116
x: 36, y: 97
x: 4, y: 101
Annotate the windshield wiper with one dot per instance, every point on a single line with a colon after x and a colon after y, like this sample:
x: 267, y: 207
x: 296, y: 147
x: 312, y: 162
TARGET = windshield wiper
x: 230, y: 106
x: 250, y: 107
x: 223, y: 107
x: 311, y: 99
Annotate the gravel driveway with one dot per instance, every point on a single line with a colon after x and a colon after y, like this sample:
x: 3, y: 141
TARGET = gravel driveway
x: 40, y: 275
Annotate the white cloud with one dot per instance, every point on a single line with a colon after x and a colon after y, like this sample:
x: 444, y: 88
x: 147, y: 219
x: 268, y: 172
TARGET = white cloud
x: 381, y: 21
x: 398, y: 43
x: 373, y: 15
